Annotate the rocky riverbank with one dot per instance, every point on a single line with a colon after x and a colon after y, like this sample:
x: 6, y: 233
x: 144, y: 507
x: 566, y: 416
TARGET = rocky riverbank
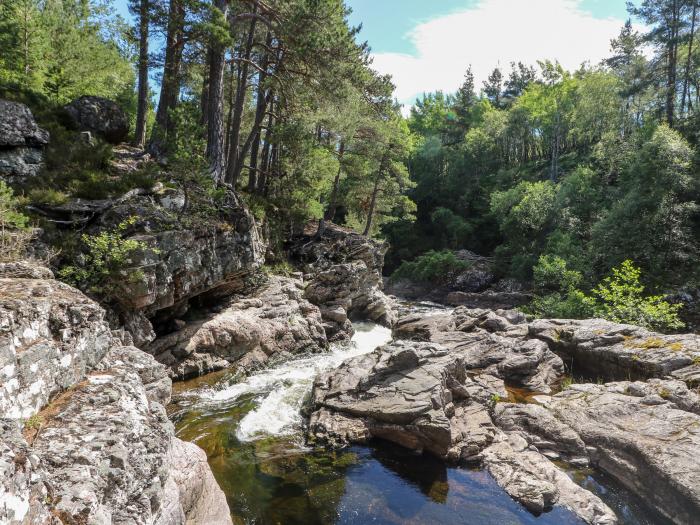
x: 85, y: 437
x: 442, y: 388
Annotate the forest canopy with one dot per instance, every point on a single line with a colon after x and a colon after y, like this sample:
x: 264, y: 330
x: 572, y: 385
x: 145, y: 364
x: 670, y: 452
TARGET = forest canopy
x: 279, y: 100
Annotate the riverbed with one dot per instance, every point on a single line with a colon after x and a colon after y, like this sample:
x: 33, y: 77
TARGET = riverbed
x: 252, y: 431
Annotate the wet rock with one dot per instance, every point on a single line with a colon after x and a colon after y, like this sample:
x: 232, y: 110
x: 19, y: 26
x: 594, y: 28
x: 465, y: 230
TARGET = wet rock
x: 277, y: 319
x: 414, y: 394
x: 533, y: 480
x: 201, y: 500
x: 345, y: 270
x: 601, y: 349
x: 637, y: 434
x: 101, y: 116
x: 21, y: 142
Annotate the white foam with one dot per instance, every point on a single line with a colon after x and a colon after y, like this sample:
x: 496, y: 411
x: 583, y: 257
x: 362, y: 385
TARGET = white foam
x: 281, y: 390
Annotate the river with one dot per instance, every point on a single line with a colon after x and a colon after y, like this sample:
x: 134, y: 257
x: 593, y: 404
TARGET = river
x: 252, y: 430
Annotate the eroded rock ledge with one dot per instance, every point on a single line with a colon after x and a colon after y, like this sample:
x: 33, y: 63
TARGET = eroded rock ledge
x: 247, y: 331
x: 344, y: 272
x: 85, y: 437
x: 446, y: 387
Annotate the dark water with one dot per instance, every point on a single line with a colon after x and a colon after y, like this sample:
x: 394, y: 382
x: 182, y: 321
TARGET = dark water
x: 252, y: 432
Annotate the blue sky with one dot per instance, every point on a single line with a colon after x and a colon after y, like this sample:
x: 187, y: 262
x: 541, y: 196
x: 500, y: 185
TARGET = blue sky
x: 426, y: 45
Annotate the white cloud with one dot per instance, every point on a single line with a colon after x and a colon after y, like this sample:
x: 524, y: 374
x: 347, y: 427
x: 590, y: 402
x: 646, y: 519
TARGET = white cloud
x: 496, y: 33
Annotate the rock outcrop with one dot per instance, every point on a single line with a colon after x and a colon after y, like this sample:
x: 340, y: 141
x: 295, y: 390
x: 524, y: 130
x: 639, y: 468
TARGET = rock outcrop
x: 610, y: 351
x: 415, y: 394
x: 345, y: 278
x: 440, y: 389
x: 645, y: 434
x: 51, y: 336
x: 101, y: 116
x: 21, y: 142
x: 490, y: 341
x: 422, y: 396
x: 186, y: 256
x: 97, y: 446
x: 276, y: 320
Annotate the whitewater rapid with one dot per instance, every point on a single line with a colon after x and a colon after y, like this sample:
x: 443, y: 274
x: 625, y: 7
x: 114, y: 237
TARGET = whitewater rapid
x: 279, y: 392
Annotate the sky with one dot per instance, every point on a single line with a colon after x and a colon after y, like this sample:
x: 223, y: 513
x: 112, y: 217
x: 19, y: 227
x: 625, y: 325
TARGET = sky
x: 426, y: 45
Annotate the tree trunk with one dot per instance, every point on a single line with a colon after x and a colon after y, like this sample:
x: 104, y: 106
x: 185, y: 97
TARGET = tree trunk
x: 333, y: 203
x: 265, y: 164
x: 262, y: 103
x: 234, y: 157
x: 164, y: 130
x: 204, y: 99
x: 215, y: 105
x: 690, y: 56
x: 373, y: 202
x: 672, y: 52
x: 142, y: 106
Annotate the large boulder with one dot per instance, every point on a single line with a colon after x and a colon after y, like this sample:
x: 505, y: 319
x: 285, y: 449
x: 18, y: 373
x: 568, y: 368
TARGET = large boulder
x: 275, y: 320
x: 21, y: 142
x: 97, y: 445
x: 345, y: 270
x: 417, y: 395
x: 101, y: 116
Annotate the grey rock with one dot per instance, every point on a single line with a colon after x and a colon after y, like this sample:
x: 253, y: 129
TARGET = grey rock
x: 637, y: 434
x: 415, y: 394
x: 22, y: 492
x: 493, y: 342
x: 601, y: 349
x: 101, y: 116
x: 276, y: 319
x: 101, y: 449
x: 51, y: 336
x: 21, y: 142
x: 24, y: 270
x: 533, y: 480
x: 182, y: 263
x: 345, y: 273
x: 200, y: 498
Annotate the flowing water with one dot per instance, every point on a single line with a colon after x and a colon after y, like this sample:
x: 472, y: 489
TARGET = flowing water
x: 252, y: 430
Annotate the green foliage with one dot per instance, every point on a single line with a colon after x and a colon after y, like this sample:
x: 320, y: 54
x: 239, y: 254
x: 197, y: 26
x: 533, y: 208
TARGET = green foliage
x: 556, y: 291
x: 621, y: 298
x: 14, y: 231
x: 431, y: 267
x: 64, y: 49
x: 107, y: 262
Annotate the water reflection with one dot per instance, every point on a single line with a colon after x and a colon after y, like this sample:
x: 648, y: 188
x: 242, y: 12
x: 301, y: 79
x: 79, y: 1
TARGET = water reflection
x: 252, y: 432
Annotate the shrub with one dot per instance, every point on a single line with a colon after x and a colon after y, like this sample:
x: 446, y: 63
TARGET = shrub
x: 557, y: 293
x: 431, y: 267
x: 14, y: 231
x: 621, y: 299
x: 102, y: 267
